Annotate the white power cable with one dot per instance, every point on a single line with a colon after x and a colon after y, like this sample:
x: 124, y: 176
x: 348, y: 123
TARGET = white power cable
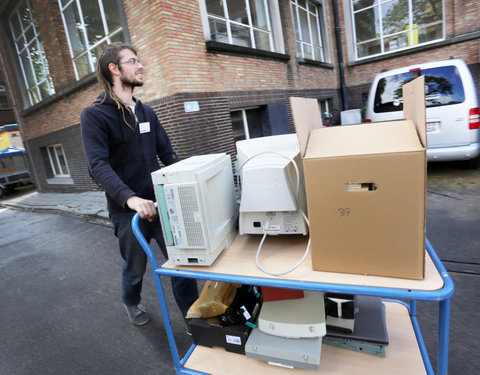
x: 267, y: 224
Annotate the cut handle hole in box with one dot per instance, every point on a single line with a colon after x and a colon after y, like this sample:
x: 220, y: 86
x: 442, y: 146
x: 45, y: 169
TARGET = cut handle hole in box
x: 361, y: 186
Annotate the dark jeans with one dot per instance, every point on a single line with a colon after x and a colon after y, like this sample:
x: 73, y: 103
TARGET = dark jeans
x: 185, y: 290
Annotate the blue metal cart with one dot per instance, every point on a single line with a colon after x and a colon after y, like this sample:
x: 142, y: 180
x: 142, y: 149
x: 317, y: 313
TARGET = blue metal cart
x: 441, y: 295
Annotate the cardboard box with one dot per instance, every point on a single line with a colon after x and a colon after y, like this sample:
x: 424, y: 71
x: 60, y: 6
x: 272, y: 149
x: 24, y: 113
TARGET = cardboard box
x: 365, y: 189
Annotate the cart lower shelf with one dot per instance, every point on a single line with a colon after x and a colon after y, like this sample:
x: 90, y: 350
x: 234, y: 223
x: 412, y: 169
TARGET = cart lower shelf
x: 402, y: 355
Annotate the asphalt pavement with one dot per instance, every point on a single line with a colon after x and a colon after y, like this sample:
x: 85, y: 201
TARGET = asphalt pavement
x: 453, y: 216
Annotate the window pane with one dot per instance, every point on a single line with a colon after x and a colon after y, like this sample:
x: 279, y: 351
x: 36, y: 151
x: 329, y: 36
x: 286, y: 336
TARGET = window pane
x: 299, y: 49
x: 118, y: 37
x: 25, y: 15
x: 61, y: 159
x: 370, y: 48
x: 27, y: 68
x: 394, y: 16
x: 97, y: 51
x: 15, y: 24
x: 429, y: 33
x: 360, y: 4
x: 21, y: 44
x: 218, y: 30
x: 259, y: 14
x: 262, y: 40
x: 307, y: 51
x: 302, y: 3
x: 367, y: 25
x: 35, y: 95
x: 304, y: 25
x: 314, y: 26
x: 50, y: 85
x: 74, y: 26
x: 237, y: 11
x: 237, y: 126
x: 44, y: 90
x: 29, y: 34
x: 395, y: 42
x: 37, y: 62
x: 254, y: 123
x: 93, y: 21
x: 241, y: 36
x: 53, y: 160
x: 296, y: 24
x: 112, y: 15
x: 426, y: 11
x: 215, y: 7
x: 317, y: 54
x: 83, y: 67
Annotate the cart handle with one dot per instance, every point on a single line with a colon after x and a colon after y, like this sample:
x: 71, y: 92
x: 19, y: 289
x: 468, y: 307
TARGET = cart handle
x: 143, y: 242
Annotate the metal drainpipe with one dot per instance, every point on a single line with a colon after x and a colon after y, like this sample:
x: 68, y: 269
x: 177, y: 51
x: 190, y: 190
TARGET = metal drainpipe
x: 20, y: 124
x: 340, y: 55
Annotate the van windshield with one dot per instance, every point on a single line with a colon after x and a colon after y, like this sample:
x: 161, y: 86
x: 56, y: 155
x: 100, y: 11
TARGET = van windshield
x: 443, y: 86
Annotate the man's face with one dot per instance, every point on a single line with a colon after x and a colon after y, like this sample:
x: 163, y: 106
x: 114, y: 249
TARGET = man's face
x: 131, y: 69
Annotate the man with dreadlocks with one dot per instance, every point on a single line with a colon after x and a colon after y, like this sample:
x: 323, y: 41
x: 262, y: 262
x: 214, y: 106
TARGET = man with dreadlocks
x: 122, y: 138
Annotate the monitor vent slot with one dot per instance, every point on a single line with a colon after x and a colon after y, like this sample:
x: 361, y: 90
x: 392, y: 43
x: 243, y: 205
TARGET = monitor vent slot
x: 189, y: 206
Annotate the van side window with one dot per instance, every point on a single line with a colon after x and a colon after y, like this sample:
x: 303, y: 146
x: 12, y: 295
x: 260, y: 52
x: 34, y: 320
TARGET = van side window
x: 443, y: 86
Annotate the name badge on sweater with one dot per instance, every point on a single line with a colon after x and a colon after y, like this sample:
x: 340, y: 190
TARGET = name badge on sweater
x: 144, y: 127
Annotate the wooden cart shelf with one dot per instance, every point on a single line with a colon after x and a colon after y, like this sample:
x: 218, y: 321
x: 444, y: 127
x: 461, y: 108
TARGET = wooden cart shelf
x: 406, y: 352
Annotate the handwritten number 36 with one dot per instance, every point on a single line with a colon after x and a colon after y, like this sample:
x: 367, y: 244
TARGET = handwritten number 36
x: 344, y: 211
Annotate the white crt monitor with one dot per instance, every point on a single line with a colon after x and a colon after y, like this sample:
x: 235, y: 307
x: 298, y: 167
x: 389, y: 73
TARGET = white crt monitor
x: 197, y: 208
x: 273, y: 196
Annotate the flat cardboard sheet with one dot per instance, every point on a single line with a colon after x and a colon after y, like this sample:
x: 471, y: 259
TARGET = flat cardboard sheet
x: 364, y: 139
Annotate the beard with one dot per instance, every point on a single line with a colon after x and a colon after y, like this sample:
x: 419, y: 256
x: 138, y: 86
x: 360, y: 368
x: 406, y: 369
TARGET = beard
x: 130, y: 83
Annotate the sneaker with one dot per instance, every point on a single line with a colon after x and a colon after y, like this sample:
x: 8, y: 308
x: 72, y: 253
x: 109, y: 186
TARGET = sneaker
x: 188, y: 329
x: 137, y: 314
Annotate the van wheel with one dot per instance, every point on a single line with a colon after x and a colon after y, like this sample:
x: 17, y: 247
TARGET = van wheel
x: 473, y: 163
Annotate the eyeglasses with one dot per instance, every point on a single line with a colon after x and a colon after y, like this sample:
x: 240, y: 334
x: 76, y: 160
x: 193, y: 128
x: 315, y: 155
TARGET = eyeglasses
x: 131, y: 62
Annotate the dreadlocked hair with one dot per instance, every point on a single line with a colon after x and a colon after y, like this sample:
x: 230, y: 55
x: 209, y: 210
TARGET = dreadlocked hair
x: 111, y: 55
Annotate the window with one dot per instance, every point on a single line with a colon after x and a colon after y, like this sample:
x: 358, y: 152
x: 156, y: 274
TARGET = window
x: 89, y: 29
x: 381, y: 26
x: 31, y: 55
x: 443, y: 86
x: 58, y: 162
x: 307, y: 17
x: 247, y: 123
x: 4, y: 102
x: 244, y: 23
x: 324, y: 106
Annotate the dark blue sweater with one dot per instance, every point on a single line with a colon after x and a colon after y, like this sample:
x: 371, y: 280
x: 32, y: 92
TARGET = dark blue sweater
x: 121, y: 157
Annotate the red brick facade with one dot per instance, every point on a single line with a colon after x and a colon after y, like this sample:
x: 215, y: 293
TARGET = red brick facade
x: 180, y: 66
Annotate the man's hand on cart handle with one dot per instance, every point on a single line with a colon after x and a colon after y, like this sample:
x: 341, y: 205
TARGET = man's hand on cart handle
x: 144, y: 207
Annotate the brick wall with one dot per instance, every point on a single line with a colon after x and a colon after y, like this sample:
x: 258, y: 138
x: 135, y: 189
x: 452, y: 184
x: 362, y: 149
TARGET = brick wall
x: 71, y: 141
x: 194, y: 133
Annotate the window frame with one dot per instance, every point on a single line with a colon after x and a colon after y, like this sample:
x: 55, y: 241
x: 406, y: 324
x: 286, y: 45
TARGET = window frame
x: 273, y: 20
x: 33, y: 89
x: 324, y: 107
x: 89, y: 47
x: 58, y: 165
x: 243, y: 111
x: 382, y: 37
x: 320, y: 26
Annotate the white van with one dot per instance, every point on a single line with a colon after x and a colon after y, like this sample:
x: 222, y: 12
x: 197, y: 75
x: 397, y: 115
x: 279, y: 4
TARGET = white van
x: 451, y: 107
